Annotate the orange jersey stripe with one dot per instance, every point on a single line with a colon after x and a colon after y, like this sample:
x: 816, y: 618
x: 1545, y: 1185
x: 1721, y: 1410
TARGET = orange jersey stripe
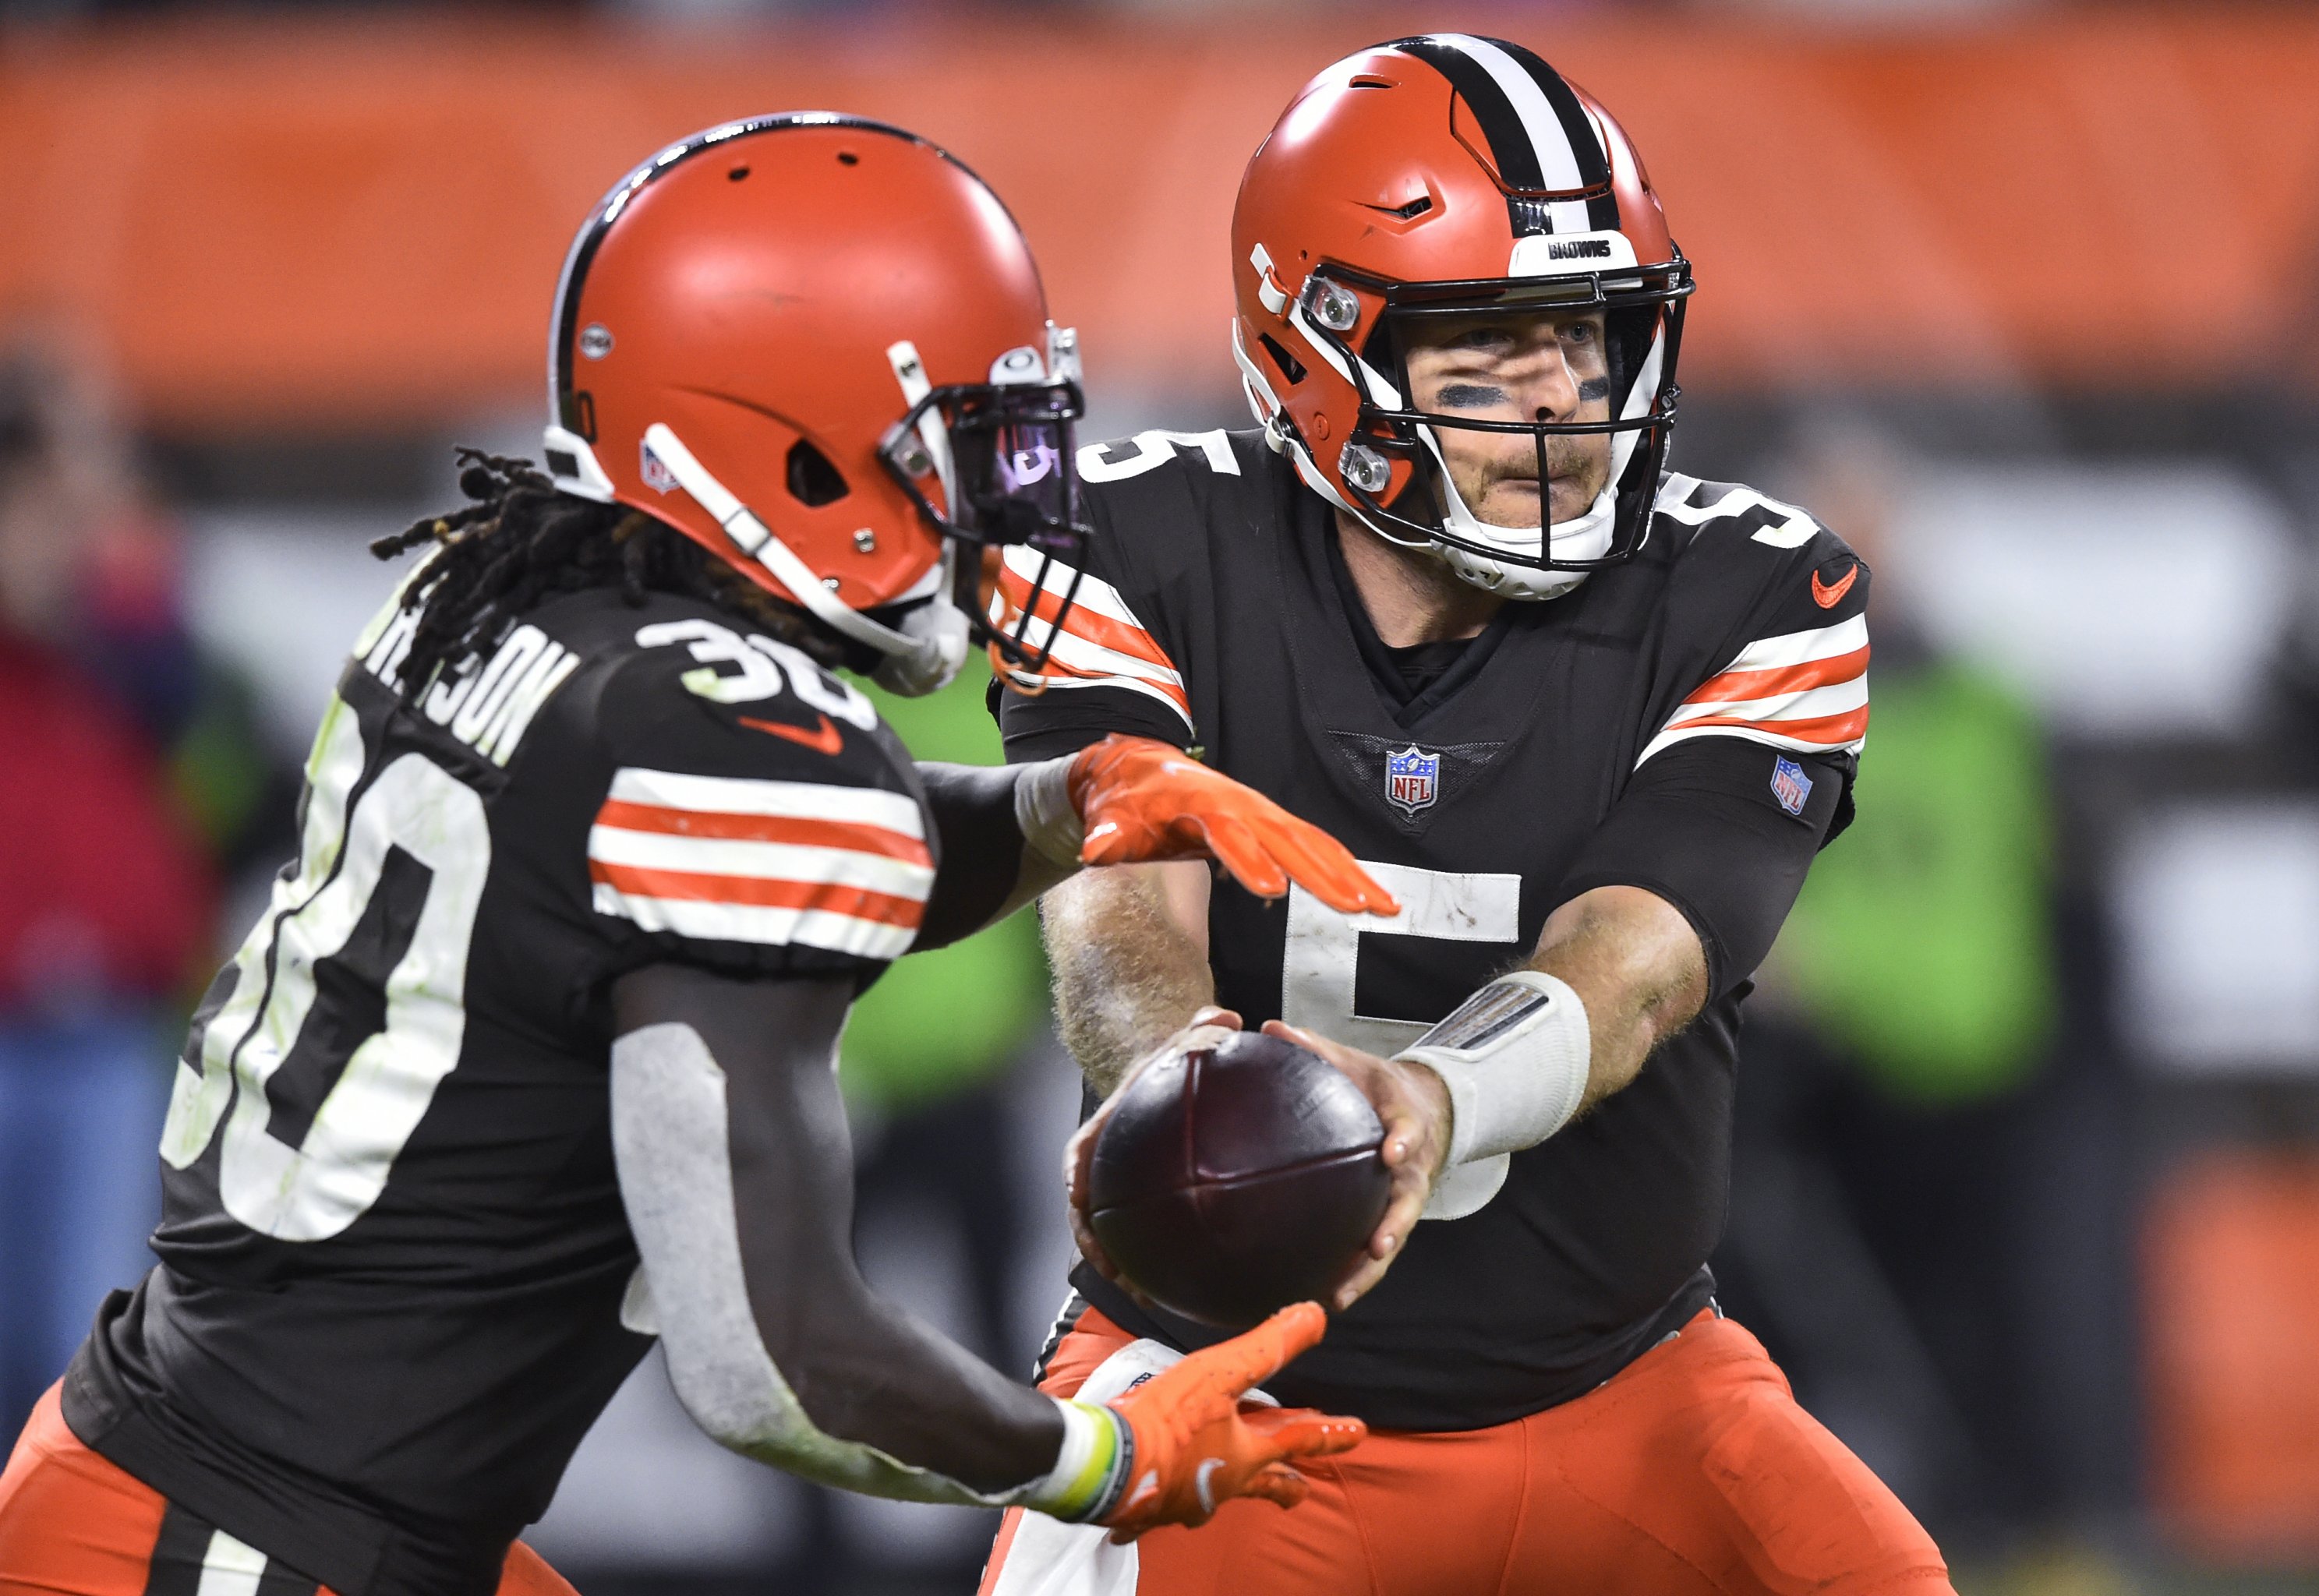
x: 1830, y: 729
x: 1116, y: 635
x: 764, y: 828
x: 1168, y: 690
x: 755, y: 892
x: 1734, y: 685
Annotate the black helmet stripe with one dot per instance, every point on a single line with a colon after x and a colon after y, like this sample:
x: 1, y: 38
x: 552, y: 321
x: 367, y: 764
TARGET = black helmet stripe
x: 1539, y: 136
x: 1577, y: 127
x: 1510, y: 147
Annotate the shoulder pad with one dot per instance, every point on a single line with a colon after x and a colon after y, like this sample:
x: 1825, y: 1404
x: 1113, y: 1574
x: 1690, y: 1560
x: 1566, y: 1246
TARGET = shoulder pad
x: 754, y: 798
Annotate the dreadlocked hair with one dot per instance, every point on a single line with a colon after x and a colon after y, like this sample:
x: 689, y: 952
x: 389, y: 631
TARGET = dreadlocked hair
x: 522, y: 540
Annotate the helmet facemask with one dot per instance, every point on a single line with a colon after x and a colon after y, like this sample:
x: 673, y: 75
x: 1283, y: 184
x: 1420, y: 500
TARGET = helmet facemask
x: 1392, y: 472
x: 1002, y: 454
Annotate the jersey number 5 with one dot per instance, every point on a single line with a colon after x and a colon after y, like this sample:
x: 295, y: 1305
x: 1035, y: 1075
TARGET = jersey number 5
x: 1322, y: 969
x: 359, y: 971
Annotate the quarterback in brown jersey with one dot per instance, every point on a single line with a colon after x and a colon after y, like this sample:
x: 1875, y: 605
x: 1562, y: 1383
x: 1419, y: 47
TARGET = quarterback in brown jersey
x: 1589, y: 720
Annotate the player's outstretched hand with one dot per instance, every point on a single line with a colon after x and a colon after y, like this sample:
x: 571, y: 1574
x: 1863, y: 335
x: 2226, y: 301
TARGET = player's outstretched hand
x: 1141, y: 800
x: 1209, y: 1027
x: 1415, y: 1107
x: 1195, y: 1449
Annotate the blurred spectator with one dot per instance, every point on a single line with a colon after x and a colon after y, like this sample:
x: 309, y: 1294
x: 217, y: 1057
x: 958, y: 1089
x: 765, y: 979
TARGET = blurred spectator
x: 119, y: 768
x: 1909, y: 1090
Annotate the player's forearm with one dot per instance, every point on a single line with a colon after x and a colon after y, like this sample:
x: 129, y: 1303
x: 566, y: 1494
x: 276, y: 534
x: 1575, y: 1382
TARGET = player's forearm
x: 1130, y: 967
x: 1637, y: 965
x: 1616, y: 971
x: 736, y: 1172
x: 988, y: 867
x: 865, y: 1372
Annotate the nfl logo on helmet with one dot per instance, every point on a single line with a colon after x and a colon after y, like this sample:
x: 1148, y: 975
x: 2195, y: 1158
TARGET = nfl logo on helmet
x: 1411, y: 779
x: 654, y: 469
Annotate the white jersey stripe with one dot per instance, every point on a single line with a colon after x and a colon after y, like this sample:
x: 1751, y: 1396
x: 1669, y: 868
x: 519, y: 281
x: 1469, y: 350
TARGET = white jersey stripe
x: 1065, y: 683
x: 765, y: 862
x: 1093, y: 594
x: 1810, y: 704
x: 1095, y: 664
x: 1798, y: 648
x: 1748, y: 734
x: 1079, y: 655
x: 791, y: 800
x: 749, y: 923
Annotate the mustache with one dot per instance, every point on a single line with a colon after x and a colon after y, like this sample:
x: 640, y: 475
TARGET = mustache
x: 1565, y: 457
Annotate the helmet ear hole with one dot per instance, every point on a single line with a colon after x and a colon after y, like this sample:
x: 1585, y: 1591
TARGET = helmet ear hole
x: 813, y: 481
x: 1290, y: 366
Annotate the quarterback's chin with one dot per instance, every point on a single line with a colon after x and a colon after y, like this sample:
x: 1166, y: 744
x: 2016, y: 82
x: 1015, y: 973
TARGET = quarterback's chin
x: 1572, y: 497
x: 1505, y: 503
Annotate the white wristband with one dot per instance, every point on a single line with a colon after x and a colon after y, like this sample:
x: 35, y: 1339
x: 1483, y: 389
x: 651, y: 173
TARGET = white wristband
x: 1044, y: 814
x: 1515, y: 1057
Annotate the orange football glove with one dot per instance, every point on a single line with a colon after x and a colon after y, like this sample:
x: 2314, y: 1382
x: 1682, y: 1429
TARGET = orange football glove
x: 1141, y: 800
x: 1197, y: 1448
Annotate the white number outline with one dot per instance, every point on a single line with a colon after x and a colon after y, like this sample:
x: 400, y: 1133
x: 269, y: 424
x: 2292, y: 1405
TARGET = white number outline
x: 760, y: 663
x: 1320, y: 968
x: 1154, y: 449
x: 314, y: 1191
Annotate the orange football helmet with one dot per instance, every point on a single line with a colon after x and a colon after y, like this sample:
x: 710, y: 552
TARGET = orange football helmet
x: 1452, y: 175
x: 818, y: 347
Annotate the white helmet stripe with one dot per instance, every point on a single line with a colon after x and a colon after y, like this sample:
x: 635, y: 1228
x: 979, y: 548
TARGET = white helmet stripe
x: 1558, y: 162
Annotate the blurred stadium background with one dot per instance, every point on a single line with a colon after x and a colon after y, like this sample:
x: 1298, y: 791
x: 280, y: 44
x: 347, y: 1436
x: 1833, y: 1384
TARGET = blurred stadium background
x: 2024, y: 298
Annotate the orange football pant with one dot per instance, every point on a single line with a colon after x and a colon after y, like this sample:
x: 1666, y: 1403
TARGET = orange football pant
x: 73, y: 1524
x: 1690, y: 1473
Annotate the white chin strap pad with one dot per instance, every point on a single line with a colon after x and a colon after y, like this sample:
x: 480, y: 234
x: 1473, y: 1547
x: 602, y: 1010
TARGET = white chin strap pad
x: 1582, y: 538
x: 939, y: 629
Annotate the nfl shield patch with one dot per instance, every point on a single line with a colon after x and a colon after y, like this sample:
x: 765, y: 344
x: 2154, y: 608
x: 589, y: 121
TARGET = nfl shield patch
x: 1790, y: 785
x: 1412, y: 779
x: 656, y: 474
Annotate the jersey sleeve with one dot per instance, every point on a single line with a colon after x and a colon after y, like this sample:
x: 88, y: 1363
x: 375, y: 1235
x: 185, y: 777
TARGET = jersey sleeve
x: 1789, y: 671
x: 1112, y: 668
x: 758, y: 818
x: 1725, y: 831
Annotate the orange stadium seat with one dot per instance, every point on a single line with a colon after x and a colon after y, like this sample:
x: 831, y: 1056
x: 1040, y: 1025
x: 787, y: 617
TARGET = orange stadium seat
x: 346, y: 222
x: 2231, y: 1279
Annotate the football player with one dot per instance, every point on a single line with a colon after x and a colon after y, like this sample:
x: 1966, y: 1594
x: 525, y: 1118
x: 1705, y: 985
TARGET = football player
x: 1589, y: 720
x: 531, y: 1057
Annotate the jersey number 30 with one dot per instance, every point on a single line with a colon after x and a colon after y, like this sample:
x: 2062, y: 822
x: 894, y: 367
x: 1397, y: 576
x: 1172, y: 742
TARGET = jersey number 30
x: 385, y: 903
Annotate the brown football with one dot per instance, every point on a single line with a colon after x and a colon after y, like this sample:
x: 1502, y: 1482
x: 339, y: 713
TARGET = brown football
x: 1232, y: 1181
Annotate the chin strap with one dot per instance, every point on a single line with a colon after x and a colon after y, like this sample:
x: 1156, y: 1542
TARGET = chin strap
x: 1532, y: 583
x: 923, y: 654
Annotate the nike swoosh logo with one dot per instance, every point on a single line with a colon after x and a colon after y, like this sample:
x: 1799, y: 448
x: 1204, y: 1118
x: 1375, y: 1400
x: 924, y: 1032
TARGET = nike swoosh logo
x: 826, y: 739
x: 1827, y: 597
x: 1203, y: 1482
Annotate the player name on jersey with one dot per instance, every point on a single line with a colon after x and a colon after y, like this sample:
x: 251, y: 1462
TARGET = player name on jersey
x: 489, y: 706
